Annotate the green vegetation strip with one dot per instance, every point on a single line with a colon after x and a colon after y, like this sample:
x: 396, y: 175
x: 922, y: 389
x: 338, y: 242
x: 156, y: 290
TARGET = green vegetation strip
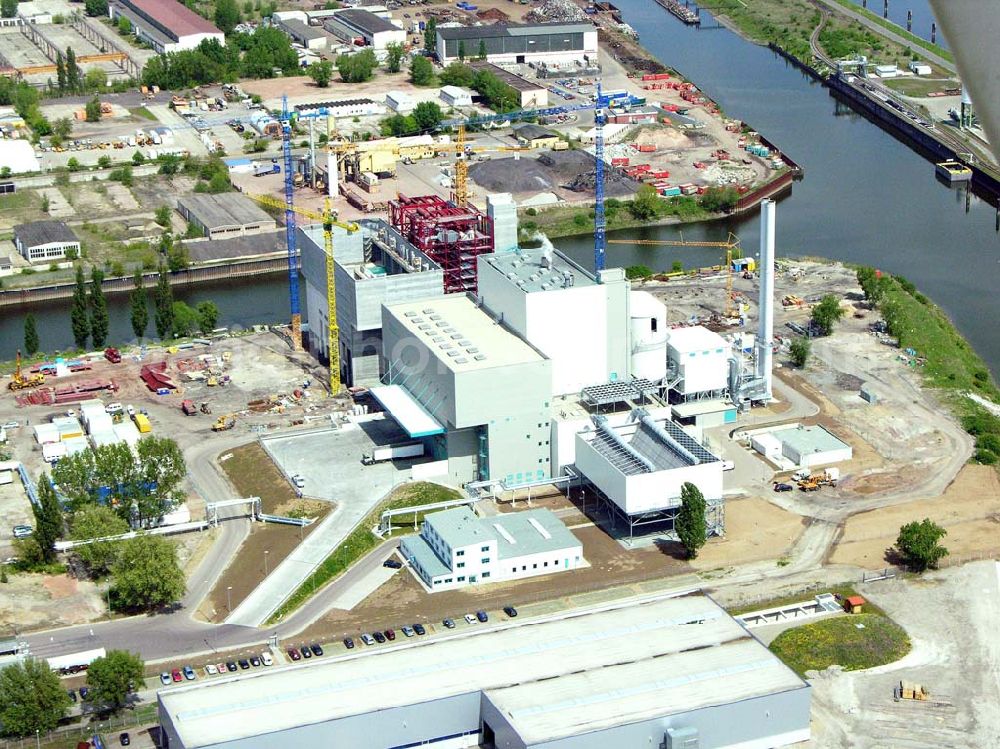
x: 854, y: 642
x: 361, y: 541
x: 842, y: 590
x: 913, y: 38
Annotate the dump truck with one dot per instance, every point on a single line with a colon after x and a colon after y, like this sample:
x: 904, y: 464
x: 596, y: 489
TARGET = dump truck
x: 223, y: 423
x: 809, y: 485
x: 392, y: 452
x: 187, y: 406
x: 113, y: 355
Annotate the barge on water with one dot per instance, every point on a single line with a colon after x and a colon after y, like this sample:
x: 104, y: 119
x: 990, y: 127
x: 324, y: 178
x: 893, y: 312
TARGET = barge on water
x: 682, y: 11
x: 954, y: 171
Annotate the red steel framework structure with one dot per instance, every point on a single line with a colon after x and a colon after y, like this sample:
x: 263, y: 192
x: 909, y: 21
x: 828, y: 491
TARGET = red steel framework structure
x: 451, y: 236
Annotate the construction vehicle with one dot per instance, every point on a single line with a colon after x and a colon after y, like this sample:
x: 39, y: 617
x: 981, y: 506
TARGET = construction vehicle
x: 328, y: 220
x: 206, y: 409
x: 187, y: 406
x: 809, y: 484
x: 224, y: 423
x: 732, y: 247
x: 113, y: 355
x: 790, y: 300
x: 142, y: 423
x: 21, y: 381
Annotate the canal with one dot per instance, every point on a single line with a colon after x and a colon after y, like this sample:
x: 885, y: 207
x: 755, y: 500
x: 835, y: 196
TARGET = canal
x: 866, y: 197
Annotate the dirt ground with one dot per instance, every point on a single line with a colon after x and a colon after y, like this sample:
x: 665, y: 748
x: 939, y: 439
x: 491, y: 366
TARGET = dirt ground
x: 969, y: 510
x: 30, y: 601
x: 755, y: 530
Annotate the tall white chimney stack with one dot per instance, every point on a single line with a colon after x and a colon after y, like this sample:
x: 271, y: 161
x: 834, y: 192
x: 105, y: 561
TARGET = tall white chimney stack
x: 765, y: 308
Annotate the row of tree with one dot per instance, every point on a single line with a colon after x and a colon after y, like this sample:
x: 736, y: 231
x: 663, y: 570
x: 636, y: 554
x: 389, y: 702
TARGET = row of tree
x: 33, y: 699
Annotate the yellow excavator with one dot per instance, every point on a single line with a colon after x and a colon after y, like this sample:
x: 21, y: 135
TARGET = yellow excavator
x: 224, y: 422
x: 21, y: 381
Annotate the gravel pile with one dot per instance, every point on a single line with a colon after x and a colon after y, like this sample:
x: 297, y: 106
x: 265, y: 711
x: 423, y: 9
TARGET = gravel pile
x: 556, y: 10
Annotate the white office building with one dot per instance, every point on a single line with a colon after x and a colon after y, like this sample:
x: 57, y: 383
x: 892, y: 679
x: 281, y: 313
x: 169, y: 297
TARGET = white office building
x: 457, y: 548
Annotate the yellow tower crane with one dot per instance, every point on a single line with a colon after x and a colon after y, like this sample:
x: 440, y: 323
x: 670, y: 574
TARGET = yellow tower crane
x: 731, y: 245
x: 329, y: 221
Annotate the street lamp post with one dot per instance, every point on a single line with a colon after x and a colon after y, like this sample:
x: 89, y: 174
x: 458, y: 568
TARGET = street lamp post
x: 38, y: 739
x: 229, y: 599
x: 265, y: 563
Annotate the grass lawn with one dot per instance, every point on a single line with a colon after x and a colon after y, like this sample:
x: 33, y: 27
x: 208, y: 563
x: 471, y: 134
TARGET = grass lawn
x: 854, y: 642
x: 919, y: 86
x: 143, y: 113
x: 842, y: 590
x: 885, y: 23
x: 361, y: 540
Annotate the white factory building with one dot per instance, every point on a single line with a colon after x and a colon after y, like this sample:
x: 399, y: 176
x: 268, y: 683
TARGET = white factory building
x: 519, y: 43
x: 456, y: 548
x: 799, y: 446
x: 400, y: 102
x: 668, y: 672
x: 456, y: 96
x: 166, y: 25
x: 375, y: 31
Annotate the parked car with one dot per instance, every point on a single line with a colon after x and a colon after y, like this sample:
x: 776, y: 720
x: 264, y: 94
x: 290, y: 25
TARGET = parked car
x: 298, y: 481
x: 481, y: 616
x: 780, y: 487
x: 84, y: 691
x: 393, y: 564
x: 220, y: 667
x: 254, y: 661
x: 348, y: 643
x: 449, y: 623
x: 124, y: 739
x: 189, y: 673
x: 211, y: 670
x: 367, y: 639
x: 23, y: 531
x: 294, y: 654
x: 470, y: 619
x: 419, y: 629
x: 379, y: 637
x: 175, y: 674
x: 510, y: 611
x: 266, y: 659
x: 306, y: 652
x: 408, y: 631
x: 390, y: 634
x: 316, y: 649
x: 11, y: 425
x: 244, y: 663
x: 230, y: 666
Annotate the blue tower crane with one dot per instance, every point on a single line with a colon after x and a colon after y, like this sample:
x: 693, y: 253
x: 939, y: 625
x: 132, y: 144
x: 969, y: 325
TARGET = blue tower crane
x: 600, y: 225
x: 293, y: 261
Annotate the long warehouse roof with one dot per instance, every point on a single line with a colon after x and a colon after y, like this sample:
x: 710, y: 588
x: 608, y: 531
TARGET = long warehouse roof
x: 560, y: 676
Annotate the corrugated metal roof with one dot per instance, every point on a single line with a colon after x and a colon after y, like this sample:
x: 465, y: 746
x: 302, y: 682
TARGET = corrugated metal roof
x: 43, y: 232
x: 512, y: 29
x: 364, y: 20
x: 178, y: 18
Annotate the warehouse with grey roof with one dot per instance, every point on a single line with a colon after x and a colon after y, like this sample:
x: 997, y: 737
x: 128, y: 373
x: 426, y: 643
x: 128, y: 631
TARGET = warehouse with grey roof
x: 517, y: 43
x: 225, y: 216
x: 354, y: 23
x: 670, y: 671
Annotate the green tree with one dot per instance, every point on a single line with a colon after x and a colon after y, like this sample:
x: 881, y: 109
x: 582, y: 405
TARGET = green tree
x: 93, y: 110
x: 73, y: 72
x: 482, y: 49
x: 32, y: 698
x: 60, y: 72
x: 103, y: 162
x: 870, y: 281
x: 96, y: 7
x: 918, y: 544
x: 646, y: 203
x: 321, y: 72
x: 690, y: 524
x: 827, y: 313
x: 99, y: 320
x: 30, y: 335
x: 799, y: 351
x: 146, y: 574
x: 8, y: 8
x: 124, y: 26
x: 163, y: 301
x: 208, y: 316
x: 138, y: 159
x: 97, y: 521
x: 227, y: 15
x: 95, y: 79
x: 139, y: 306
x: 430, y: 36
x: 78, y: 316
x: 358, y: 67
x: 457, y: 74
x: 113, y: 677
x: 719, y: 199
x: 163, y: 214
x: 186, y: 320
x: 421, y: 71
x: 394, y: 56
x: 634, y: 272
x: 427, y: 115
x: 677, y: 267
x: 461, y: 50
x: 48, y: 519
x: 63, y: 127
x: 73, y: 164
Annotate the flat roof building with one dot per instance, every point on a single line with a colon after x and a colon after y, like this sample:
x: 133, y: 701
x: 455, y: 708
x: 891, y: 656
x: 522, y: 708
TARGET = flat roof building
x: 166, y: 25
x: 45, y: 241
x: 456, y: 548
x: 519, y: 43
x: 225, y: 216
x: 809, y: 446
x: 532, y: 94
x: 310, y: 37
x: 376, y: 31
x: 456, y: 96
x: 639, y: 674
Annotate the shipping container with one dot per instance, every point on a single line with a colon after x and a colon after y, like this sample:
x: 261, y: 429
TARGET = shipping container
x: 619, y: 162
x: 142, y: 423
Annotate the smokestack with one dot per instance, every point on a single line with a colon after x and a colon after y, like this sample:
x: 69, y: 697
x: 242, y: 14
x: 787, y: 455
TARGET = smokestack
x: 765, y: 308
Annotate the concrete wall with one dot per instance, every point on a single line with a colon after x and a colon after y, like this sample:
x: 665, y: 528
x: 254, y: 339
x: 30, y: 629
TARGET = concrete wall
x: 756, y: 723
x: 702, y: 371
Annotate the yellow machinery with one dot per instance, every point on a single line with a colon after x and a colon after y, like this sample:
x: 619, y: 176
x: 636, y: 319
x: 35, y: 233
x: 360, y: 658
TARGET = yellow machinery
x: 21, y: 381
x: 732, y: 247
x: 224, y: 423
x: 328, y: 221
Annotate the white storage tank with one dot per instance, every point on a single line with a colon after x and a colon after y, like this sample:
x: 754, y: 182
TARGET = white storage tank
x: 648, y: 331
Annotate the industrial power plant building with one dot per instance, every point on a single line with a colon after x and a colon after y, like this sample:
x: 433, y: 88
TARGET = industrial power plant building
x: 519, y: 43
x: 166, y: 25
x: 456, y: 548
x: 669, y: 672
